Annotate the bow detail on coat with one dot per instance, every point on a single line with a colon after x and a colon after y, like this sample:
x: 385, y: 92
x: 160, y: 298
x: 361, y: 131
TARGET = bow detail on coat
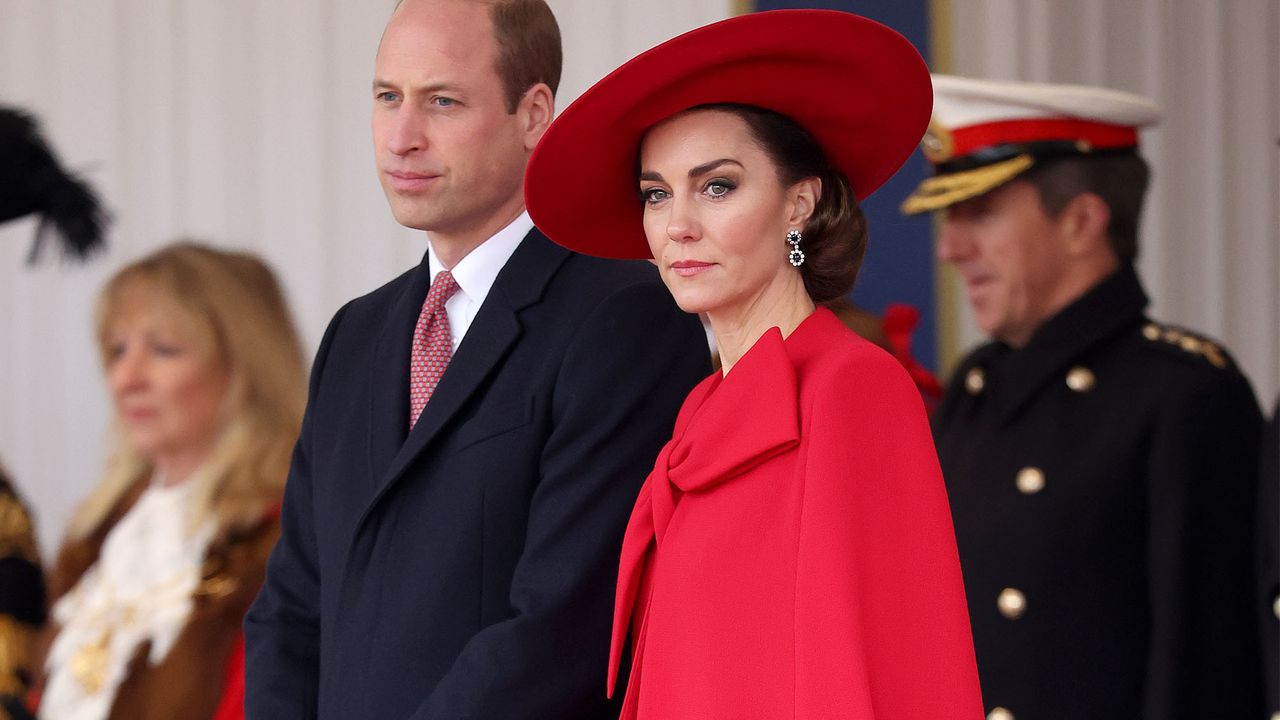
x: 714, y: 441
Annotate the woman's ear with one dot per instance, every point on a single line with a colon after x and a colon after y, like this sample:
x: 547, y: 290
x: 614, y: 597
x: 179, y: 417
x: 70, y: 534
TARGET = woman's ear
x: 803, y: 198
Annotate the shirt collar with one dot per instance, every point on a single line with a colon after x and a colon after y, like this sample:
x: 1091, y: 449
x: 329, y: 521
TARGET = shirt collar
x: 476, y: 272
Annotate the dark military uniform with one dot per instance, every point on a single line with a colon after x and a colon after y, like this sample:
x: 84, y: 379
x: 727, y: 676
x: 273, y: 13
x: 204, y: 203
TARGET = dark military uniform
x: 22, y: 600
x: 1102, y: 483
x: 1269, y: 560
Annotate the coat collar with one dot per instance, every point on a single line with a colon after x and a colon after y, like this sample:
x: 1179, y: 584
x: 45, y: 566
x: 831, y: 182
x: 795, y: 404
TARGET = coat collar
x: 1111, y: 306
x: 522, y: 282
x: 727, y: 426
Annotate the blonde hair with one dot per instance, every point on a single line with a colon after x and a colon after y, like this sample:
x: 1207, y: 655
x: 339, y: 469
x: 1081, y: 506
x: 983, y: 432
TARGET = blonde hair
x: 231, y: 304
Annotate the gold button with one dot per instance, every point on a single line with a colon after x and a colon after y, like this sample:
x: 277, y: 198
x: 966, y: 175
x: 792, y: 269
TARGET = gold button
x: 1190, y: 344
x: 1012, y: 603
x: 1151, y: 331
x: 1080, y: 379
x: 1172, y: 335
x: 1030, y: 480
x: 975, y: 380
x: 1275, y: 715
x: 1275, y: 607
x: 999, y: 714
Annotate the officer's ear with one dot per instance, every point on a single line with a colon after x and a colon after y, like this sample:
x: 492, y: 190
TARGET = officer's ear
x: 1083, y: 224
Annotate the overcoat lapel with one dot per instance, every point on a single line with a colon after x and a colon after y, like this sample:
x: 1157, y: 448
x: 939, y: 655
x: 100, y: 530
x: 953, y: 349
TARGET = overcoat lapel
x: 389, y: 375
x: 495, y: 329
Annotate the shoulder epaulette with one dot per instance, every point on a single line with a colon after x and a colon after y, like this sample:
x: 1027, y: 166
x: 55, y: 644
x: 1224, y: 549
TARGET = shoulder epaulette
x: 1188, y: 342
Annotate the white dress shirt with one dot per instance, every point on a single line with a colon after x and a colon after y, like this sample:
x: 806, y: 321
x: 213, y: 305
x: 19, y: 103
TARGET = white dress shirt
x: 476, y: 272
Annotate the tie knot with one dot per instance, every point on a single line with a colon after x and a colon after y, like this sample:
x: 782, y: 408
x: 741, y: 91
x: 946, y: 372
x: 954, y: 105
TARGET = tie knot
x: 442, y: 288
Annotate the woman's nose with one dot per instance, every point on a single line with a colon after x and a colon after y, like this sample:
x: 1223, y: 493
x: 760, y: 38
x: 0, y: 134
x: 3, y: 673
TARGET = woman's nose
x: 682, y: 222
x: 128, y: 371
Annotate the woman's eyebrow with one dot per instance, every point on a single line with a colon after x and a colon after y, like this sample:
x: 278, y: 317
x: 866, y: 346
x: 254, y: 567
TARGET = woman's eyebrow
x: 694, y: 172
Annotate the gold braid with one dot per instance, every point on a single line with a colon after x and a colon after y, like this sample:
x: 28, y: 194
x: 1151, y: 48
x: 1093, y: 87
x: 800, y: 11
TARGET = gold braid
x: 15, y: 653
x: 17, y: 541
x: 16, y: 536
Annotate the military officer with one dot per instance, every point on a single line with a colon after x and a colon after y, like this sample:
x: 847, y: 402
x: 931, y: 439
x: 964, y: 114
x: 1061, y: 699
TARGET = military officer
x: 1269, y: 560
x: 22, y: 600
x: 1101, y: 466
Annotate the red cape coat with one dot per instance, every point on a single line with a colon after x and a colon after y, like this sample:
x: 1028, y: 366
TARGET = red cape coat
x: 791, y: 555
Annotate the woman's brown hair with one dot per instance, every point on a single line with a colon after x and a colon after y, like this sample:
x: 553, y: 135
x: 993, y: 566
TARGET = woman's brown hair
x: 835, y: 237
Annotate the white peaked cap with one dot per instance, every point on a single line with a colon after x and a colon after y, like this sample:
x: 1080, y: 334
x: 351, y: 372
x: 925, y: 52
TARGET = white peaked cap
x: 984, y: 133
x: 962, y: 102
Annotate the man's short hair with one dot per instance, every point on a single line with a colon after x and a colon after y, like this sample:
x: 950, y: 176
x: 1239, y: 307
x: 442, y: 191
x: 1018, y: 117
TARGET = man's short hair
x: 528, y: 41
x: 1120, y: 179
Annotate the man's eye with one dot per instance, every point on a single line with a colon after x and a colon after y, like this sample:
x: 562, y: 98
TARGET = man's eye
x: 387, y: 96
x: 444, y: 101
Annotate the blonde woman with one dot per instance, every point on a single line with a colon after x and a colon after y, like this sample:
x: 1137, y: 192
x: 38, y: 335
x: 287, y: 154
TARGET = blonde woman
x: 206, y: 375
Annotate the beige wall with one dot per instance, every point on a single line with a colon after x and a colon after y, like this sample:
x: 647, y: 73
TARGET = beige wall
x: 242, y: 122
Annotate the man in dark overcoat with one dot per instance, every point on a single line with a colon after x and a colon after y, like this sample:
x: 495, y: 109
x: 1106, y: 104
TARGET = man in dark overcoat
x: 477, y: 429
x: 1101, y: 466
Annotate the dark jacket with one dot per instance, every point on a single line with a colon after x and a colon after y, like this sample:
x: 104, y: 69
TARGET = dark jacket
x: 466, y: 570
x: 1102, y: 482
x: 1269, y: 559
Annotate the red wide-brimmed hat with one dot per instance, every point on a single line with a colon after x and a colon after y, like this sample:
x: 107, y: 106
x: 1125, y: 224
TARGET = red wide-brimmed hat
x: 858, y: 87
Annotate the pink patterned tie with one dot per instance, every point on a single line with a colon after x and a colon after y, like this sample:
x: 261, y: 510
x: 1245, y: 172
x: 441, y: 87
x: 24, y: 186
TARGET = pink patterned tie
x: 432, y: 345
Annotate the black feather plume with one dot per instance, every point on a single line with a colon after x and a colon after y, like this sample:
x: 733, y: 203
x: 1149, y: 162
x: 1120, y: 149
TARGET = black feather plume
x: 33, y: 181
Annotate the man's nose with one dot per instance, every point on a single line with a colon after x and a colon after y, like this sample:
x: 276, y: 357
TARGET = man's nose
x: 407, y: 133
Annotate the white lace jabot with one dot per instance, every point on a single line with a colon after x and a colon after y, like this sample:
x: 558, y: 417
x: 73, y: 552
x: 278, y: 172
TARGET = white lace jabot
x: 139, y: 591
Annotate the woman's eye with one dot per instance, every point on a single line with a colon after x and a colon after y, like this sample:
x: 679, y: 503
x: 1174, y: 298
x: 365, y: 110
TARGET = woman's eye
x: 166, y: 349
x: 719, y: 188
x: 653, y: 195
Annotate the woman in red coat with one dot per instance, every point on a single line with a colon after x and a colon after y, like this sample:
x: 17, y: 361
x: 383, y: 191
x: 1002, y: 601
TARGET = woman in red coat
x: 791, y: 555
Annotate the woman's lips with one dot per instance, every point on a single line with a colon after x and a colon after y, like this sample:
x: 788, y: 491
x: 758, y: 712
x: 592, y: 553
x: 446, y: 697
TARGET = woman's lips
x: 689, y: 268
x: 138, y: 415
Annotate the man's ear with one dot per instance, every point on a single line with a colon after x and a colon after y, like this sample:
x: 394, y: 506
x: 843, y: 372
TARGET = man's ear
x: 803, y: 197
x: 1083, y: 223
x: 536, y: 109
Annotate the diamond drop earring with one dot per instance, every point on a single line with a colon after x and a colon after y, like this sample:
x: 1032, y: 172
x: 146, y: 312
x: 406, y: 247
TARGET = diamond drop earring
x: 796, y: 255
